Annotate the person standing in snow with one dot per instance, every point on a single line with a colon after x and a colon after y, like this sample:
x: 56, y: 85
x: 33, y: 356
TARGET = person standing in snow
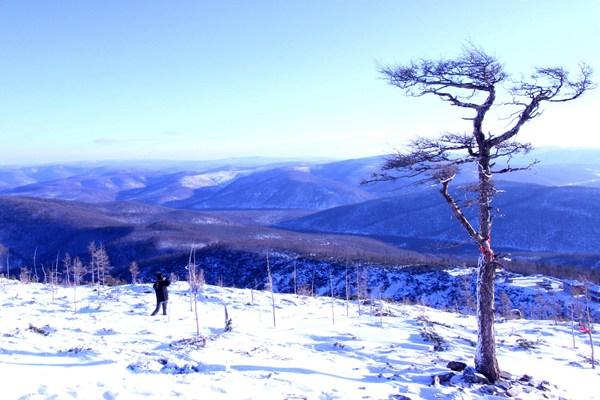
x: 162, y: 293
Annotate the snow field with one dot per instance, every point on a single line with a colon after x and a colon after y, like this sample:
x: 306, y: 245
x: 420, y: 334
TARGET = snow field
x: 112, y: 349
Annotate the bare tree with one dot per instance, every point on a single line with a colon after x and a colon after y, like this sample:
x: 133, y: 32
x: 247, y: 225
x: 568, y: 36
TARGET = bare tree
x: 103, y: 265
x: 358, y: 287
x: 78, y: 271
x: 295, y: 278
x: 589, y: 323
x: 191, y: 273
x: 347, y: 284
x: 228, y: 321
x: 477, y: 83
x: 572, y: 315
x: 7, y: 263
x: 196, y: 282
x: 506, y: 305
x: 312, y: 281
x: 35, y: 274
x: 466, y: 302
x: 134, y: 270
x: 24, y: 276
x: 331, y: 293
x: 67, y: 267
x: 362, y: 285
x: 45, y: 274
x: 270, y: 287
x: 92, y: 250
x: 3, y: 249
x: 54, y: 278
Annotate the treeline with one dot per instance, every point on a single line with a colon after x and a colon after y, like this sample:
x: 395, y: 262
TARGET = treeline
x: 96, y: 268
x: 239, y: 266
x: 561, y: 271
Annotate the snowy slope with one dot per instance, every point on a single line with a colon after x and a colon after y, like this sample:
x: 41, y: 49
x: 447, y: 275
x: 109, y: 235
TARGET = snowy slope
x: 112, y: 349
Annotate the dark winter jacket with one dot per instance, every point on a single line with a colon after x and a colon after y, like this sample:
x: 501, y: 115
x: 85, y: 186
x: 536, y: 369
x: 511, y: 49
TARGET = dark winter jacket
x: 160, y: 288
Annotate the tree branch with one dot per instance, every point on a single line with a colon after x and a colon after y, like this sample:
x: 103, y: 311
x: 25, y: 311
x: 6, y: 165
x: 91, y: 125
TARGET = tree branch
x: 456, y: 210
x: 548, y: 84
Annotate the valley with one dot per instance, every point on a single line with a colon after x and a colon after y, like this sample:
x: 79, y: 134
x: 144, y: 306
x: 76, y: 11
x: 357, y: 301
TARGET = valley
x: 154, y: 212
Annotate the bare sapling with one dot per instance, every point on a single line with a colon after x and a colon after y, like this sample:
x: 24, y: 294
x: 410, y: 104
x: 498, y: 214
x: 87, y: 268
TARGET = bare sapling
x: 347, y: 292
x: 92, y: 250
x: 78, y: 271
x: 358, y: 288
x: 589, y: 327
x: 572, y: 311
x: 45, y: 275
x: 196, y: 285
x: 54, y: 279
x: 228, y: 320
x: 312, y: 282
x: 24, y: 276
x: 35, y: 274
x: 7, y: 263
x: 295, y: 279
x: 506, y: 305
x: 103, y: 267
x: 57, y: 274
x: 369, y: 293
x: 252, y: 294
x: 134, y: 270
x: 67, y: 267
x: 191, y: 278
x: 53, y: 282
x: 380, y: 309
x: 270, y: 284
x: 2, y: 250
x: 332, y: 298
x: 252, y: 290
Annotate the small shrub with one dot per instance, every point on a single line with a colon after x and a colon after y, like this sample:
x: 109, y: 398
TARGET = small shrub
x: 44, y: 330
x: 526, y: 344
x: 431, y: 336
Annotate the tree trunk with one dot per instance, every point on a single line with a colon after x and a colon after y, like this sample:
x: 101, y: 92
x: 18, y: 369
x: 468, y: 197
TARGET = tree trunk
x: 34, y: 266
x: 270, y: 276
x: 485, y: 356
x: 358, y: 289
x: 92, y: 271
x: 332, y: 298
x: 589, y: 321
x: 347, y: 293
x: 295, y: 280
x: 195, y: 294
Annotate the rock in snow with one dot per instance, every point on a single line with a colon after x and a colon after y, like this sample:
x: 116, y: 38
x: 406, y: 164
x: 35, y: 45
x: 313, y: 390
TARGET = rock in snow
x: 456, y: 366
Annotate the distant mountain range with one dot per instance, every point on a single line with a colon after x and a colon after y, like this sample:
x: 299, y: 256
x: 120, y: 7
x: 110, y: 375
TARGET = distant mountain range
x: 529, y: 217
x: 228, y: 186
x: 260, y: 183
x: 551, y: 208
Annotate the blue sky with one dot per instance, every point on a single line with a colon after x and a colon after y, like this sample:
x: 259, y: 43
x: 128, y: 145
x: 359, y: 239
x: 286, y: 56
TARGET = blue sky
x: 114, y: 79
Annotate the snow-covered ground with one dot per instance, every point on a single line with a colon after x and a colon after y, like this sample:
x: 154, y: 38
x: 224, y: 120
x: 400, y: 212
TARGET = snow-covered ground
x: 112, y: 349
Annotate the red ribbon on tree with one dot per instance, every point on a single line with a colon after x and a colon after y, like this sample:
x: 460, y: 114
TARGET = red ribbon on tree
x: 484, y: 250
x: 583, y: 328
